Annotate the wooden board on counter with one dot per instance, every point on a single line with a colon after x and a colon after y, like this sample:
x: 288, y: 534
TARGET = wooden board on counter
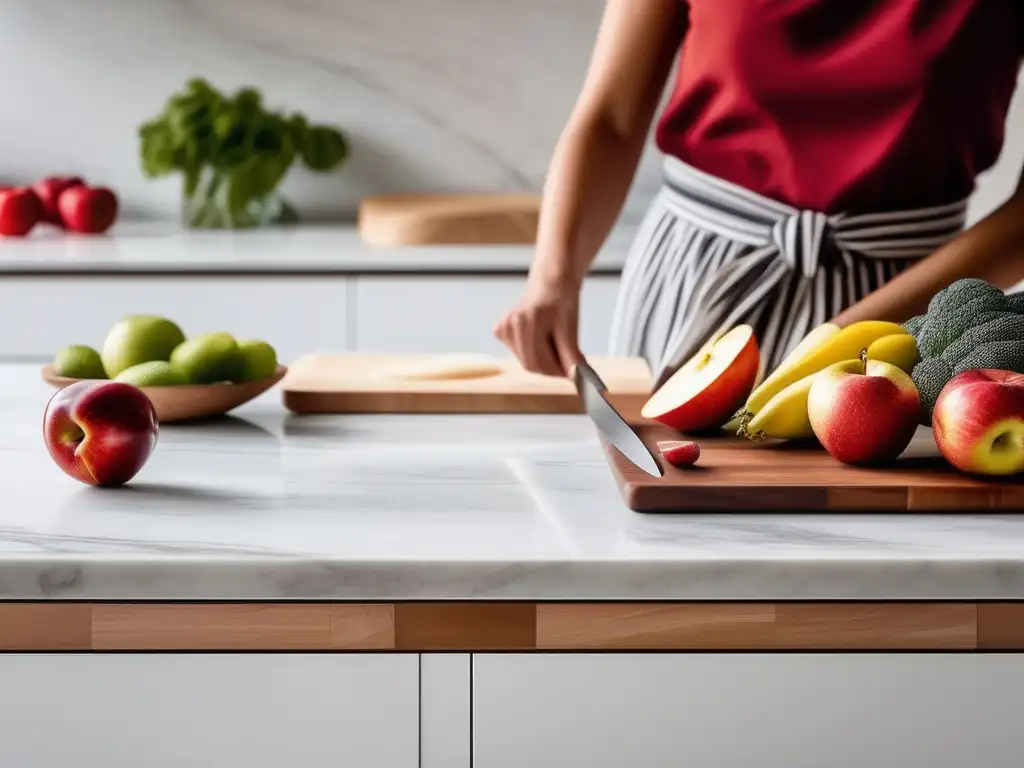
x: 449, y: 219
x: 358, y: 383
x: 734, y: 474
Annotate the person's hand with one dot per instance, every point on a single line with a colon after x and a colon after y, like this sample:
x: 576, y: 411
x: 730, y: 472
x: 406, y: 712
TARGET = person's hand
x: 541, y: 329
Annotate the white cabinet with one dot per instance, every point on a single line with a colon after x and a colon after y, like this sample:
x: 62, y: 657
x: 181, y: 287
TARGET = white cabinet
x: 184, y: 711
x: 39, y: 315
x: 735, y: 711
x: 445, y: 314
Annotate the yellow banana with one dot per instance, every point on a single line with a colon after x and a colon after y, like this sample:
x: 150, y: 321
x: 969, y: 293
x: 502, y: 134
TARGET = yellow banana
x: 899, y: 349
x: 785, y: 417
x: 847, y: 344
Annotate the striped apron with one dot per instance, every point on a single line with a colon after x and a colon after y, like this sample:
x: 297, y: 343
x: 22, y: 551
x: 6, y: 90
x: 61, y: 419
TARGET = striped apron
x: 710, y: 255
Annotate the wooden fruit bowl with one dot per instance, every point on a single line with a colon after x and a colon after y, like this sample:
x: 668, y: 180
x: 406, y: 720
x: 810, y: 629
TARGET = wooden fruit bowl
x: 191, y: 401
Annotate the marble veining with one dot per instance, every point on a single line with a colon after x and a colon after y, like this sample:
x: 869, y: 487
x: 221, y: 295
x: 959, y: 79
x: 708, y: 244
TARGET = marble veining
x: 268, y: 505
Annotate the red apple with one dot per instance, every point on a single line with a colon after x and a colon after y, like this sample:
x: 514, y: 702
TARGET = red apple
x: 863, y: 413
x: 20, y: 210
x: 48, y: 191
x: 100, y: 432
x: 708, y: 390
x: 90, y: 210
x: 978, y: 422
x: 679, y: 453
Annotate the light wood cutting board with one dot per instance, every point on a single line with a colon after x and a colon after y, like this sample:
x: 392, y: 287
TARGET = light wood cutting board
x: 359, y: 383
x: 449, y: 219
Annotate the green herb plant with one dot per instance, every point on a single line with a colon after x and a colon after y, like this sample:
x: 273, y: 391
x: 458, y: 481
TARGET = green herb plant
x: 233, y: 153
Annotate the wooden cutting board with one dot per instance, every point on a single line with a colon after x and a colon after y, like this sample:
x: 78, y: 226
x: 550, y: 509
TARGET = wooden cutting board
x: 357, y: 383
x: 449, y: 219
x: 734, y: 474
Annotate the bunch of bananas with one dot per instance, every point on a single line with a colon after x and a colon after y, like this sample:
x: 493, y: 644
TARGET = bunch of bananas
x: 777, y: 408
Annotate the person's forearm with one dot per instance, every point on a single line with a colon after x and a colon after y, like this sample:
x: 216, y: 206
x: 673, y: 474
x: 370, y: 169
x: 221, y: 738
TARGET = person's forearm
x: 993, y: 249
x: 590, y: 175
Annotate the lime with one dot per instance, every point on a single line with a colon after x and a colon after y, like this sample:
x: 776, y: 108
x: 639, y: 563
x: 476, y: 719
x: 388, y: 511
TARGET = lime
x: 257, y: 360
x: 139, y: 339
x: 79, y: 362
x: 207, y: 358
x: 155, y: 373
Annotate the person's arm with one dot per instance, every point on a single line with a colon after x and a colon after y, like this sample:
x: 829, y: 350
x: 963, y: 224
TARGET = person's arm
x: 590, y: 174
x: 992, y: 249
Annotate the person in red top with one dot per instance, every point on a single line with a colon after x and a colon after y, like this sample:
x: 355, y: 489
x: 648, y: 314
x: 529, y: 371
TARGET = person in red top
x: 818, y: 159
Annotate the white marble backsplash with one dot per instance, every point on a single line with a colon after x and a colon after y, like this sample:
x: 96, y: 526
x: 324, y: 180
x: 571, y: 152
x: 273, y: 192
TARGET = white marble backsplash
x: 436, y: 95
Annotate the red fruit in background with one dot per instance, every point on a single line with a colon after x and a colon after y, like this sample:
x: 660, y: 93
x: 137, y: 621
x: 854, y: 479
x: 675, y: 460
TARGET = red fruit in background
x: 679, y: 453
x: 100, y: 432
x: 20, y: 210
x: 48, y: 190
x: 90, y: 210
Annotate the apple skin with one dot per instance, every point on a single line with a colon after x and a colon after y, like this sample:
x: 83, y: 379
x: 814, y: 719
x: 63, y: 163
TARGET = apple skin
x: 973, y: 411
x: 864, y: 414
x: 87, y: 210
x: 49, y: 190
x: 719, y: 401
x: 20, y: 211
x: 100, y: 432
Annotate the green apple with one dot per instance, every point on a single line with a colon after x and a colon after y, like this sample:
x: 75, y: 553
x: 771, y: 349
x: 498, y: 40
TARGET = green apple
x: 207, y: 358
x: 257, y: 360
x: 155, y: 373
x: 139, y: 339
x: 79, y: 362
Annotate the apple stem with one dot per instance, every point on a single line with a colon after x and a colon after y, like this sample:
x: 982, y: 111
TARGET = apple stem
x: 864, y: 358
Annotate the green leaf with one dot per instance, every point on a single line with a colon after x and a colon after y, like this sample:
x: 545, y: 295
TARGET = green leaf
x: 324, y: 148
x: 298, y: 127
x: 156, y: 149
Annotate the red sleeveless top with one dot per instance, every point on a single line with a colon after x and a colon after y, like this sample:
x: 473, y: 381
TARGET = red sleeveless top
x: 852, y: 105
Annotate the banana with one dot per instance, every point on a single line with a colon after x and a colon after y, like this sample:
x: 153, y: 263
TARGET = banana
x: 814, y: 339
x: 899, y: 349
x: 785, y: 416
x: 847, y: 344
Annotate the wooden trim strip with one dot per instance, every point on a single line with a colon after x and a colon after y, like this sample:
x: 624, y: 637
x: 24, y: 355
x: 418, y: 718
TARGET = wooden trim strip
x: 512, y: 626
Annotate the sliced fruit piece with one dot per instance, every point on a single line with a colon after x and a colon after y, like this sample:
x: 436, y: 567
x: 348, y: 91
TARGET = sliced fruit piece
x: 708, y: 389
x: 845, y: 345
x: 679, y: 453
x: 899, y: 349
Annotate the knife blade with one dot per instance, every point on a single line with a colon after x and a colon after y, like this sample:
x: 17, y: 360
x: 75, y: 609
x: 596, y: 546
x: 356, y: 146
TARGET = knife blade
x: 609, y: 423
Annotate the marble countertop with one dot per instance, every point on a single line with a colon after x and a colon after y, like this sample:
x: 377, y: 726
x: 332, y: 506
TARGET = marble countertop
x: 138, y: 248
x: 268, y: 505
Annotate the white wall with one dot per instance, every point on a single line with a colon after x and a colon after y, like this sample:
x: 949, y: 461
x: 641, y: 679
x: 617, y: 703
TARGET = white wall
x: 437, y: 95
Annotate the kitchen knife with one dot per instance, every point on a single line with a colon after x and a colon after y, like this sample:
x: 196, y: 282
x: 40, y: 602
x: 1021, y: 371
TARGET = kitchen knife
x: 608, y: 421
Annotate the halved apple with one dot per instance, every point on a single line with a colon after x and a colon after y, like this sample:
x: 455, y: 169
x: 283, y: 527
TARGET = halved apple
x: 711, y: 386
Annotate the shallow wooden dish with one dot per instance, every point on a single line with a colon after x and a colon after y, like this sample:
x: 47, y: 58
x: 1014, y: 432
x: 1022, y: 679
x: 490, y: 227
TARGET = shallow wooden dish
x: 191, y: 401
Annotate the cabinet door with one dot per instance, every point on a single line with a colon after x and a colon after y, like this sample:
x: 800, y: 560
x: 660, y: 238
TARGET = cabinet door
x: 734, y: 711
x: 457, y: 314
x: 39, y: 315
x: 183, y: 711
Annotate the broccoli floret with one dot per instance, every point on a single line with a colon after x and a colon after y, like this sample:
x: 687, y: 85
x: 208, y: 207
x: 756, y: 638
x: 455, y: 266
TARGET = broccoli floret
x: 1001, y: 355
x: 1015, y: 302
x: 1006, y: 327
x: 913, y: 325
x: 960, y: 292
x: 931, y: 376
